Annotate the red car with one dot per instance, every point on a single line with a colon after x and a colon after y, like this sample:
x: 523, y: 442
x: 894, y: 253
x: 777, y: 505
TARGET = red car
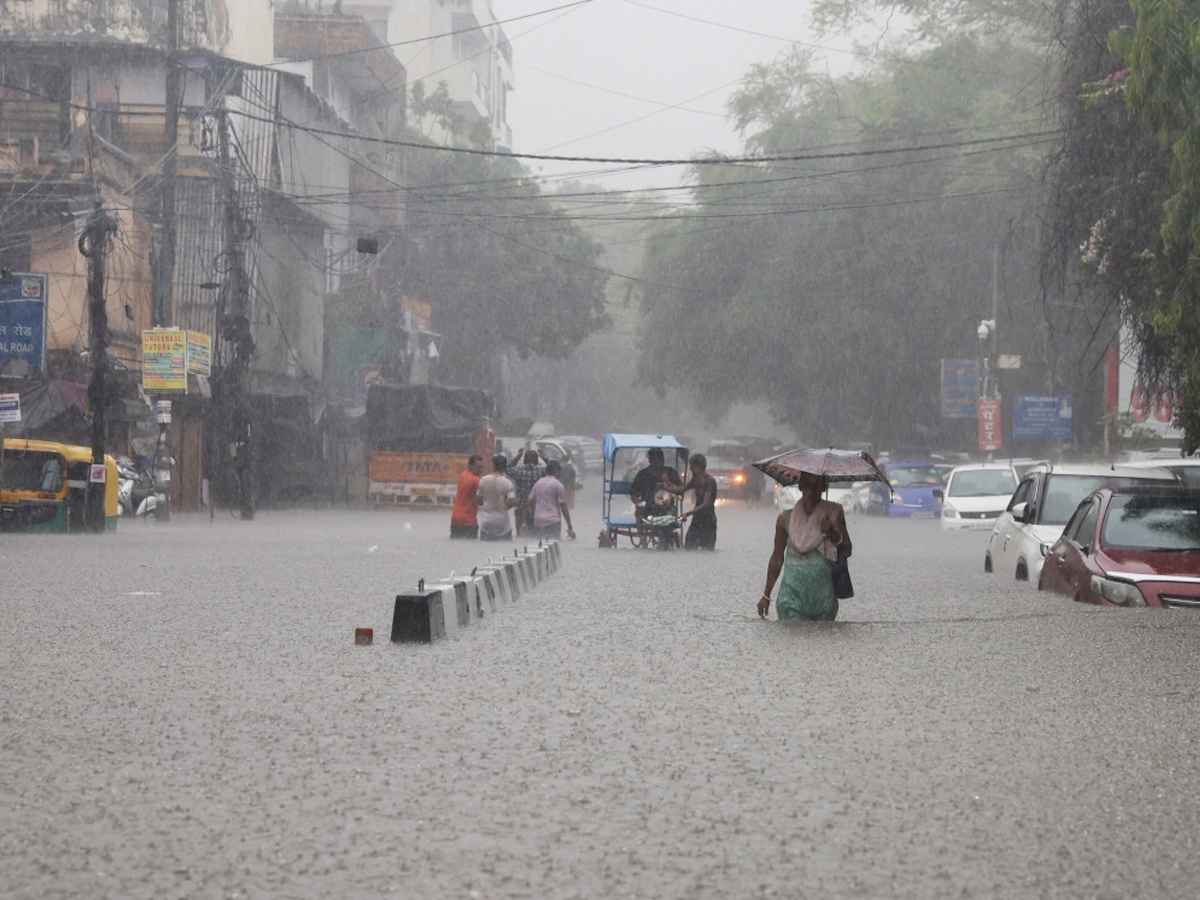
x: 1131, y: 546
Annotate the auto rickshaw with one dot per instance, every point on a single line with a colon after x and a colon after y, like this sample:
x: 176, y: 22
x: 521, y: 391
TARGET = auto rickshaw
x: 44, y: 487
x: 624, y: 456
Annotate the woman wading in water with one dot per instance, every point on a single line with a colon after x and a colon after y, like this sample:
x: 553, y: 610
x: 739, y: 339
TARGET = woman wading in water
x: 807, y: 538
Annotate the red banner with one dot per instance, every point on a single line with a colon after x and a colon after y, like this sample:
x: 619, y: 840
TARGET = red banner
x: 989, y: 423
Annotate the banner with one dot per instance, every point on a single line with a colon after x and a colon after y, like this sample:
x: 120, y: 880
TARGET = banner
x: 989, y: 424
x: 23, y: 324
x: 1047, y: 417
x: 199, y: 353
x: 960, y: 387
x: 418, y: 314
x: 164, y: 361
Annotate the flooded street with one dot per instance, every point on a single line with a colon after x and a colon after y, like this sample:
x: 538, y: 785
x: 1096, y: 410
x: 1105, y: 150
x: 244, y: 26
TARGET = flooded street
x: 183, y: 713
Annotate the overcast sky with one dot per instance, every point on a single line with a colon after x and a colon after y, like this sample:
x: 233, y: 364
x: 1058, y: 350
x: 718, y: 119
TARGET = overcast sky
x: 624, y: 46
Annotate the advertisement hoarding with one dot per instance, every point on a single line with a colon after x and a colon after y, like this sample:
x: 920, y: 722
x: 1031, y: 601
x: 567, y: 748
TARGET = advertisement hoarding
x: 199, y: 353
x: 23, y: 324
x: 1043, y: 417
x: 164, y: 361
x: 960, y: 387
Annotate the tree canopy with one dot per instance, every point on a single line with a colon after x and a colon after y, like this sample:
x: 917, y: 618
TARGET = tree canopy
x: 833, y: 286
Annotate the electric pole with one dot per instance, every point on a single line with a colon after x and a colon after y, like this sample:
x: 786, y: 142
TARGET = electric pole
x: 94, y: 245
x: 164, y: 282
x: 235, y: 328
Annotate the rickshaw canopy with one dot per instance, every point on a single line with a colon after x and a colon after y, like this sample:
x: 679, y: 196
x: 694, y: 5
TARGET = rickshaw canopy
x: 615, y: 442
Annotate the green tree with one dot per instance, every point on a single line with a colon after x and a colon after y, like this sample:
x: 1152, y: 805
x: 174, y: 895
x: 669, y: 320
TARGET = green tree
x: 833, y: 286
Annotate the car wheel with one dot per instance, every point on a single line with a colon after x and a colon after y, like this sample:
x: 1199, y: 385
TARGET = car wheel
x: 1022, y: 571
x: 987, y: 563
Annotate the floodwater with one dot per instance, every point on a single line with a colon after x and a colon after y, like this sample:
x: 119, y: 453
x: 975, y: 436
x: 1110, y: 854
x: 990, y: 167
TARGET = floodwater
x: 184, y: 714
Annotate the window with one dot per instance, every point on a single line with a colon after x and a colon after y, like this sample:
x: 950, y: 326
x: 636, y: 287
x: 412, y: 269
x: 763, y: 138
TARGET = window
x: 983, y: 483
x: 1022, y: 494
x: 1169, y: 524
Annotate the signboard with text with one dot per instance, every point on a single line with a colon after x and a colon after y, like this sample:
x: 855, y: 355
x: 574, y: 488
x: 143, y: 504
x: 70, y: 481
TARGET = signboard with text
x: 164, y: 361
x: 1149, y: 408
x: 199, y: 353
x: 23, y: 323
x: 960, y: 387
x: 10, y: 409
x: 1043, y: 417
x: 989, y: 424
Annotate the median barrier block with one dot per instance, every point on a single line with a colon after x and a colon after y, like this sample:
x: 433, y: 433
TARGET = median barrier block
x: 439, y: 610
x: 418, y: 618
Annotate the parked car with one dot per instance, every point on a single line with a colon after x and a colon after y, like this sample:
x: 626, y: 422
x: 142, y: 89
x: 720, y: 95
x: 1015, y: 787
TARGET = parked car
x: 976, y: 495
x: 850, y: 494
x: 1044, y: 500
x: 587, y: 452
x: 1130, y: 546
x: 909, y: 492
x: 1186, y: 469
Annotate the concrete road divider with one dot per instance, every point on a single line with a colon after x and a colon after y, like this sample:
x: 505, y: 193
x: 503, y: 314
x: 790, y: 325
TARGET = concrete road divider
x: 439, y: 609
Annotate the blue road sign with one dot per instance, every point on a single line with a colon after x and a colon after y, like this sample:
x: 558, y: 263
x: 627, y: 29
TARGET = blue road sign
x: 1046, y: 417
x: 23, y: 321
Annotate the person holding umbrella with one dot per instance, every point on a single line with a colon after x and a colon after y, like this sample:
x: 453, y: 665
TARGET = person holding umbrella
x: 810, y: 536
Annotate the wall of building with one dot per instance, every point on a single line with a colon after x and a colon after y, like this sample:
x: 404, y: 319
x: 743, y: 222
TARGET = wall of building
x: 240, y: 29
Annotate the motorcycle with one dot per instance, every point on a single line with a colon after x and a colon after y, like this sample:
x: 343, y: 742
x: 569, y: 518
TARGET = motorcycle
x: 145, y: 491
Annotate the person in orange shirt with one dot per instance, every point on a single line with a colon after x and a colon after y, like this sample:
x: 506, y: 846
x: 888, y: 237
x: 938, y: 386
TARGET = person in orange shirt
x: 464, y: 521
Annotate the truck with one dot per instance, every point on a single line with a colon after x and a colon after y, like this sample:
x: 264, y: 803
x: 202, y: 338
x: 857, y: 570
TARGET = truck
x: 421, y: 437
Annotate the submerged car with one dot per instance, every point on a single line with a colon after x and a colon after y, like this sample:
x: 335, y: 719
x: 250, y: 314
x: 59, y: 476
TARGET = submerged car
x: 1130, y: 546
x: 1044, y: 500
x: 976, y: 495
x: 849, y: 494
x: 911, y: 492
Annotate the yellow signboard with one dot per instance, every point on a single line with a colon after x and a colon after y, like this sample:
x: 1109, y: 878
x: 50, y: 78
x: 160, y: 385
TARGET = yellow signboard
x: 199, y: 353
x: 164, y: 360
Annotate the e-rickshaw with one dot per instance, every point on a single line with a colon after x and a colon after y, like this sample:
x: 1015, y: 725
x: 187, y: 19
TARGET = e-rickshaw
x: 624, y: 456
x: 44, y: 487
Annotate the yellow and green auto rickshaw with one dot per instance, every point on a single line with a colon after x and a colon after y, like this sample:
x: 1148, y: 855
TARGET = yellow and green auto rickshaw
x: 43, y: 487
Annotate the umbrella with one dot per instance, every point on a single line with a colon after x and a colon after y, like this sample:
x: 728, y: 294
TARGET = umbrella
x: 834, y: 465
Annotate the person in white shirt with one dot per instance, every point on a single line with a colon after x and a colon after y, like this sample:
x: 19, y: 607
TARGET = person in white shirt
x: 496, y: 496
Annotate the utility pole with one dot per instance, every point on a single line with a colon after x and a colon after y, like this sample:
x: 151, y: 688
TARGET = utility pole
x: 164, y: 282
x: 94, y: 245
x: 235, y: 328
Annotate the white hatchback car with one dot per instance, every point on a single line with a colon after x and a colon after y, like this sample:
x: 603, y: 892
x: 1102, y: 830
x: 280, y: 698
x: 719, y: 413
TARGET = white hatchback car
x: 1045, y: 499
x: 850, y: 495
x: 975, y: 496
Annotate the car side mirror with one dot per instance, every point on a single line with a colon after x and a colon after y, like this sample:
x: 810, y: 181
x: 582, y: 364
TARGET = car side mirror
x: 939, y: 494
x: 1019, y: 512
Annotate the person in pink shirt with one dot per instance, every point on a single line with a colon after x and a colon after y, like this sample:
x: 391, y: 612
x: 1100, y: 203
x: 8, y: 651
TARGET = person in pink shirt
x: 549, y: 503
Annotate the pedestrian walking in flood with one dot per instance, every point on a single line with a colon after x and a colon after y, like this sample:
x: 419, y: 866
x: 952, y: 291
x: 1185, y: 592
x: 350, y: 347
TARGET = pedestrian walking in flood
x: 496, y: 497
x: 702, y: 532
x: 527, y: 470
x: 548, y: 505
x: 807, y: 540
x: 464, y: 518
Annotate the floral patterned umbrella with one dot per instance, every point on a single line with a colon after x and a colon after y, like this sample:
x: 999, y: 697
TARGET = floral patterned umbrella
x: 835, y: 465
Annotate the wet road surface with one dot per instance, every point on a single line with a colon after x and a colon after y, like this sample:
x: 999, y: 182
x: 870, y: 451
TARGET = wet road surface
x: 183, y: 713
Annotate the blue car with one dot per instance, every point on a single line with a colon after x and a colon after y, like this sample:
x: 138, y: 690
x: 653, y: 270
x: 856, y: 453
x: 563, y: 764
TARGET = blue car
x: 911, y: 494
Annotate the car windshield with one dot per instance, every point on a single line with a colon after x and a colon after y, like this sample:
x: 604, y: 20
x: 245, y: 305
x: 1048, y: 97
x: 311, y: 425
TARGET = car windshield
x: 32, y: 470
x: 983, y: 483
x: 1065, y: 492
x: 914, y: 476
x: 720, y: 462
x: 1153, y: 523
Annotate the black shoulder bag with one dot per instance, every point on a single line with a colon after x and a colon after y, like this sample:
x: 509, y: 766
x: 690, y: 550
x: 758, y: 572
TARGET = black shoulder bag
x: 842, y: 587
